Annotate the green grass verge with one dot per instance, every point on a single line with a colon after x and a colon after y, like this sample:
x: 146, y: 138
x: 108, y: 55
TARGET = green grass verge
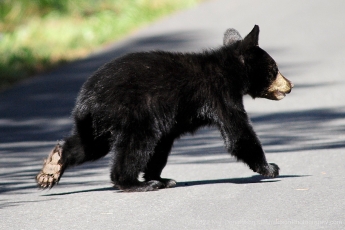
x: 38, y: 34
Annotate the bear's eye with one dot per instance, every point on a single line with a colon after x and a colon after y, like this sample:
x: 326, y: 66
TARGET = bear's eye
x: 274, y: 72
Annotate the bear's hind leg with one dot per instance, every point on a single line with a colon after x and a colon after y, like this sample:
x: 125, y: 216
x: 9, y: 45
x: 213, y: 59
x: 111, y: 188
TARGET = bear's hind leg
x: 69, y: 152
x: 125, y: 173
x: 75, y: 150
x: 130, y: 159
x: 158, y: 161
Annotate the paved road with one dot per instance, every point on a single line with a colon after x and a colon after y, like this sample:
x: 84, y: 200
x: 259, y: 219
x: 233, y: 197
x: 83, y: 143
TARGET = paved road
x: 303, y: 134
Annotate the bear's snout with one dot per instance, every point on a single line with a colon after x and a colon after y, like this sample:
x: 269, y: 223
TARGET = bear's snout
x: 279, y: 88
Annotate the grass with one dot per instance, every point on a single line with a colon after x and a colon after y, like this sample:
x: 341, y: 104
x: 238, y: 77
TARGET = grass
x: 38, y: 34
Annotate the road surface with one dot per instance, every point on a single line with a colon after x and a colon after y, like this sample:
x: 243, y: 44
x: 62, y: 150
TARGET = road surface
x: 304, y: 134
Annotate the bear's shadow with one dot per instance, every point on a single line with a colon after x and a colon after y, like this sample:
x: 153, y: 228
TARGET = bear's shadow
x: 242, y: 180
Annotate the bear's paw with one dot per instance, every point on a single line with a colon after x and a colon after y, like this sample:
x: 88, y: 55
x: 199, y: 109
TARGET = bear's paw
x: 269, y: 170
x: 51, y: 171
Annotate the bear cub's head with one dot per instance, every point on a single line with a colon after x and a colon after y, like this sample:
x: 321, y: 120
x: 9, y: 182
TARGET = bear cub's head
x: 265, y: 80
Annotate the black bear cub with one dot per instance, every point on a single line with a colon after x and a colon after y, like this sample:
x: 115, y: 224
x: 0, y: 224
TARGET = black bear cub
x: 137, y: 105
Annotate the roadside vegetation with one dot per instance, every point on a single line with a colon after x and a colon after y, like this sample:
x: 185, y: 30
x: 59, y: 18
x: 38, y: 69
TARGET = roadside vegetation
x: 36, y: 35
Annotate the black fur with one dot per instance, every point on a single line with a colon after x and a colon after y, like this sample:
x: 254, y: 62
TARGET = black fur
x: 137, y: 105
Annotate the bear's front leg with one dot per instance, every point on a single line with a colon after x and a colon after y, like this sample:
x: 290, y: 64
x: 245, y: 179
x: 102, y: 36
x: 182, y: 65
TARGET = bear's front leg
x: 242, y: 142
x: 248, y: 149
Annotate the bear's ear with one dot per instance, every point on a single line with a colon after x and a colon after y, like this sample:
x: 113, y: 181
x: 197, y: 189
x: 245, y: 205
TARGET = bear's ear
x: 252, y: 39
x: 231, y: 36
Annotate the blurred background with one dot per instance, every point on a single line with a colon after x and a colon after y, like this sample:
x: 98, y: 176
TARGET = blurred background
x: 36, y: 35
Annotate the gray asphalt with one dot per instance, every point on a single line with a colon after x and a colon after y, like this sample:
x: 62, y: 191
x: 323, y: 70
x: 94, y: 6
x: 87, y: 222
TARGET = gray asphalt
x: 303, y: 134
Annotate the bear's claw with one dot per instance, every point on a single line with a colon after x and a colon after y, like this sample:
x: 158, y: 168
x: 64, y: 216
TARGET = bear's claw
x: 51, y: 171
x: 168, y: 183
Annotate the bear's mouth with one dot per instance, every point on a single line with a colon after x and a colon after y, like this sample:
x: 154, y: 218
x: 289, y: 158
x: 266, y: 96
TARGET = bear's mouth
x: 275, y: 95
x: 279, y: 88
x: 279, y: 94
